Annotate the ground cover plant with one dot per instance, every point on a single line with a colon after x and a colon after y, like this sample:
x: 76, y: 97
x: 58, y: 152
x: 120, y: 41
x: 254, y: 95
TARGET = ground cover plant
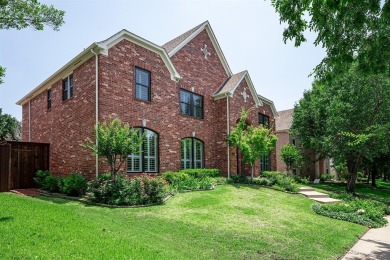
x: 231, y: 222
x: 278, y: 180
x: 361, y: 211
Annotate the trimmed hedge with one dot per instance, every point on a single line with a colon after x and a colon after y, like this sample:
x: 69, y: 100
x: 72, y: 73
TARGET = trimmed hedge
x: 191, y: 179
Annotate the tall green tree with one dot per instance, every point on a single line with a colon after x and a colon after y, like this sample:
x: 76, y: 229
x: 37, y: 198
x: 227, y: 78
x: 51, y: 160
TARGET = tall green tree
x: 19, y: 14
x: 116, y: 141
x: 291, y: 156
x: 253, y: 142
x: 8, y: 127
x: 348, y: 120
x: 346, y: 29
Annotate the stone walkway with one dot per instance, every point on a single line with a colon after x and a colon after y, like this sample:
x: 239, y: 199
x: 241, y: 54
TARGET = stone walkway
x: 375, y: 244
x: 317, y: 196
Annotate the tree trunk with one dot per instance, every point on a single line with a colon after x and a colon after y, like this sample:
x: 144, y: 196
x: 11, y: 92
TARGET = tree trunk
x: 374, y: 173
x: 352, y: 166
x: 368, y: 176
x: 253, y: 168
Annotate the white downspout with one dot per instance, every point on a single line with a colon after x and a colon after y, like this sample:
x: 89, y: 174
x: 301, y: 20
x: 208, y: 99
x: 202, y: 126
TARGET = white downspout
x: 228, y: 132
x: 29, y: 120
x: 96, y: 107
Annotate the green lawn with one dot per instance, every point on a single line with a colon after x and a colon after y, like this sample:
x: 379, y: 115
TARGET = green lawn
x: 381, y: 193
x: 231, y: 222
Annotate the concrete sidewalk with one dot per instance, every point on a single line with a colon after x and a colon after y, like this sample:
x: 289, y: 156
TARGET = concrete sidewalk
x: 375, y: 244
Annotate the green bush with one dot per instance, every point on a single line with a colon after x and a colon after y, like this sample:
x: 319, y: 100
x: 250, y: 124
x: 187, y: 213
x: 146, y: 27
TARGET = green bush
x: 175, y: 177
x: 365, y: 212
x: 74, y: 185
x: 239, y: 178
x: 140, y: 190
x: 46, y: 181
x: 301, y: 180
x: 200, y: 173
x: 327, y: 176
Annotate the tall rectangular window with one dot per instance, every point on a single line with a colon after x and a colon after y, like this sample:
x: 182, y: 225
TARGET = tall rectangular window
x: 191, y: 104
x: 67, y: 87
x: 192, y: 153
x: 265, y: 163
x: 142, y: 84
x: 146, y: 159
x: 48, y: 98
x: 264, y: 120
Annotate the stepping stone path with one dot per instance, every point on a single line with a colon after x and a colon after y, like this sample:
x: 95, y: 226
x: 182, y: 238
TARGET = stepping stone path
x: 317, y: 196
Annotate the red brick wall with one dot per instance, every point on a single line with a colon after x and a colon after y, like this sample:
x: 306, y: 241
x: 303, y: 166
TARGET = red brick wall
x: 283, y: 138
x: 68, y: 123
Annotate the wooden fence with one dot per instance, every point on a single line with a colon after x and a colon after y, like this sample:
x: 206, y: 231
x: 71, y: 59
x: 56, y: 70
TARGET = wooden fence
x: 19, y: 162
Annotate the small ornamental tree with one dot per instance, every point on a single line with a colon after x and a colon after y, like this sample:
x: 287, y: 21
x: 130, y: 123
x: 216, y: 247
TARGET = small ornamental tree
x: 116, y: 142
x: 253, y: 142
x: 291, y: 156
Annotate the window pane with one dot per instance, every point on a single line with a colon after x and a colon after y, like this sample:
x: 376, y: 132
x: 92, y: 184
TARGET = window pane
x: 185, y: 109
x: 198, y: 100
x: 185, y: 97
x: 197, y: 112
x: 142, y: 77
x: 142, y: 92
x: 150, y: 151
x: 186, y: 153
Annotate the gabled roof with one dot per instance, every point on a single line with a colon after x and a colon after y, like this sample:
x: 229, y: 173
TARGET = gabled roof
x: 229, y: 87
x: 179, y: 42
x: 271, y: 104
x: 284, y: 121
x: 101, y: 48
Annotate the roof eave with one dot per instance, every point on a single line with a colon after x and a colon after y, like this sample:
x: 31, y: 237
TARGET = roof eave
x: 68, y: 67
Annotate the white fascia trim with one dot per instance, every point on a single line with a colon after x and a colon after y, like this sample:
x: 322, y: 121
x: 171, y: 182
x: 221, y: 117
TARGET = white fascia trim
x: 59, y: 74
x: 126, y: 35
x: 214, y: 41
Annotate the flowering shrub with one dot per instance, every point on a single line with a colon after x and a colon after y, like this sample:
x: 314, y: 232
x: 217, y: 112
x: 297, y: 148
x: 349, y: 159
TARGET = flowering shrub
x: 120, y: 190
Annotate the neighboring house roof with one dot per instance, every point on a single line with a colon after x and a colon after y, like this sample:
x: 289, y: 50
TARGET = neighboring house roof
x: 179, y: 42
x: 101, y: 47
x: 284, y: 121
x: 271, y: 104
x: 231, y: 84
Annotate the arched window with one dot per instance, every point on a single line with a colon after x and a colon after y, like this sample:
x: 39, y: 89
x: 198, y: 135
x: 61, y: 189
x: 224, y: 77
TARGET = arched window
x: 147, y: 158
x: 192, y: 153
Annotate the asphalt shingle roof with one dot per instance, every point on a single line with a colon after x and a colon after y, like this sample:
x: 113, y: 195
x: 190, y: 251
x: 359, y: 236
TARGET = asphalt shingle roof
x: 284, y: 121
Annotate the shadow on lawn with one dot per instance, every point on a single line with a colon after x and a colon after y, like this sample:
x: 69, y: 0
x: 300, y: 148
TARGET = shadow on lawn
x: 6, y: 219
x: 55, y: 200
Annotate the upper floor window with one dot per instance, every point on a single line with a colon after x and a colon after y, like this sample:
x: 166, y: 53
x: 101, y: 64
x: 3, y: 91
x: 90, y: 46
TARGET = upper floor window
x: 264, y: 120
x: 48, y: 98
x: 67, y: 87
x: 146, y: 160
x: 192, y: 153
x: 191, y: 104
x: 142, y: 84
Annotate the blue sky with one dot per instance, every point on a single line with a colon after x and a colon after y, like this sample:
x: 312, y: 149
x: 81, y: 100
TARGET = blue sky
x: 248, y: 31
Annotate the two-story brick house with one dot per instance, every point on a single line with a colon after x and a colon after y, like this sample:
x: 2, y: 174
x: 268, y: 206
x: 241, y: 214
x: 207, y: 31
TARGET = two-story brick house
x: 182, y: 94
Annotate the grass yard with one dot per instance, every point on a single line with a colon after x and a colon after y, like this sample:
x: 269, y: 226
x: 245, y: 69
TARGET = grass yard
x: 231, y: 222
x: 381, y: 193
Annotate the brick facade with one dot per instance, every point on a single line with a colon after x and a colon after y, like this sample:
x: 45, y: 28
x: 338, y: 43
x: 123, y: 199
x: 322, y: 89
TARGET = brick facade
x: 69, y: 123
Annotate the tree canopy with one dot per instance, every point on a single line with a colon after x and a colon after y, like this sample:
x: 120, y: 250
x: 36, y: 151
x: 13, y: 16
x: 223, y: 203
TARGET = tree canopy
x: 115, y: 142
x: 253, y: 142
x: 20, y: 14
x: 347, y: 120
x: 8, y: 127
x: 347, y: 29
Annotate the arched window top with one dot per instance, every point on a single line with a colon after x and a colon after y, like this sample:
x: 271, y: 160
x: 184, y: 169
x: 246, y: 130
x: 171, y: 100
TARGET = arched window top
x: 146, y: 159
x: 192, y: 153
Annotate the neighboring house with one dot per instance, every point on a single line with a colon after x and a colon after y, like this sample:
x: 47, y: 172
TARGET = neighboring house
x: 312, y: 168
x: 182, y: 94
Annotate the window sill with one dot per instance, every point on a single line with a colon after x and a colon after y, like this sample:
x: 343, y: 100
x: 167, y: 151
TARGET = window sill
x: 197, y: 118
x: 143, y: 100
